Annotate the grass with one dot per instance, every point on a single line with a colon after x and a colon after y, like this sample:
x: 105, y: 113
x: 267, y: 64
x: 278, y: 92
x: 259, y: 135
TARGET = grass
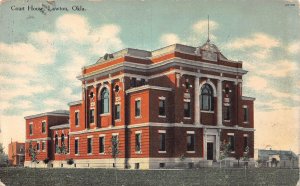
x: 204, y: 176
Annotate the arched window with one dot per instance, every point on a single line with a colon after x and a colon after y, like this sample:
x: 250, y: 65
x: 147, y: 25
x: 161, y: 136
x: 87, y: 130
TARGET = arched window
x: 207, y: 99
x: 62, y: 141
x: 104, y: 101
x: 56, y: 143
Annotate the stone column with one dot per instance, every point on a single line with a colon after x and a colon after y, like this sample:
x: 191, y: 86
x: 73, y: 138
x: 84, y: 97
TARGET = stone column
x: 197, y: 102
x: 219, y: 103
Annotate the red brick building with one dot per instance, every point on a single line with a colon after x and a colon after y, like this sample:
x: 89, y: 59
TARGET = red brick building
x: 170, y: 107
x: 16, y: 153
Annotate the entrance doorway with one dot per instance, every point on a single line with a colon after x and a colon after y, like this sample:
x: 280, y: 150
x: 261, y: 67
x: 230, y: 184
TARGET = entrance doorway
x: 210, y: 151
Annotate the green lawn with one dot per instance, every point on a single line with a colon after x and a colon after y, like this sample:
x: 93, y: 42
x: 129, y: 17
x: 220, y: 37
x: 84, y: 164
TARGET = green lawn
x: 204, y: 176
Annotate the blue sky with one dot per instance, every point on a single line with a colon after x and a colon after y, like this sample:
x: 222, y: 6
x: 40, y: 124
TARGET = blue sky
x: 41, y: 54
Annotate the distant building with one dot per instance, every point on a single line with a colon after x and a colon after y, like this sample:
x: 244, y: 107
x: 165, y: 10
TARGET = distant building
x: 16, y: 153
x: 278, y: 158
x: 171, y: 107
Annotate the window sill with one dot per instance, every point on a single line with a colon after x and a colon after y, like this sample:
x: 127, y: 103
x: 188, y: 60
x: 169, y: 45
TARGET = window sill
x: 77, y: 125
x: 162, y: 152
x: 190, y: 152
x: 76, y: 154
x: 138, y: 152
x: 245, y: 122
x: 138, y: 117
x: 227, y: 121
x: 102, y: 153
x: 187, y: 118
x: 232, y: 152
x: 117, y: 120
x: 207, y: 111
x: 105, y: 114
x: 92, y: 123
x: 89, y: 154
x: 161, y: 116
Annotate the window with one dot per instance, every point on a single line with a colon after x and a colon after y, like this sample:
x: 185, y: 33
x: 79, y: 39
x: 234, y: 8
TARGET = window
x: 190, y: 142
x: 162, y: 107
x: 207, y: 99
x: 138, y: 142
x: 245, y: 110
x: 76, y: 118
x: 30, y: 129
x: 117, y: 111
x: 62, y: 141
x: 92, y: 116
x: 43, y: 146
x: 76, y: 146
x: 227, y: 113
x: 137, y: 108
x: 104, y: 101
x: 162, y: 142
x: 43, y: 127
x: 245, y: 142
x: 133, y: 82
x: 143, y: 81
x: 56, y: 143
x: 68, y: 143
x: 101, y: 144
x: 89, y: 145
x: 38, y: 146
x: 187, y: 109
x: 231, y: 142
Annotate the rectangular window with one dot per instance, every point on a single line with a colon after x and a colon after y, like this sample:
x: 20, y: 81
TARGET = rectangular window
x: 89, y: 145
x: 117, y: 111
x: 43, y: 145
x: 38, y: 146
x: 227, y: 113
x: 190, y: 142
x: 162, y: 107
x: 143, y: 82
x: 137, y: 108
x: 231, y: 142
x: 245, y: 110
x: 43, y: 126
x: 30, y: 129
x: 92, y: 115
x: 245, y: 142
x: 76, y: 146
x: 76, y: 118
x: 101, y: 144
x: 138, y: 142
x: 162, y: 141
x: 187, y: 109
x: 133, y: 82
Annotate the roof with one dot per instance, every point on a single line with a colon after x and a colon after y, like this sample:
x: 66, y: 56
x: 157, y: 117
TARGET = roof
x: 207, y: 46
x: 75, y: 103
x: 248, y: 98
x: 62, y: 126
x: 283, y: 154
x: 52, y: 113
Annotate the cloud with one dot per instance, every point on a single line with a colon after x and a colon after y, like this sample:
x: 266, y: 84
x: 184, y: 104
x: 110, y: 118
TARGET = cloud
x: 281, y: 68
x: 258, y: 45
x: 169, y: 39
x: 197, y: 32
x: 294, y: 48
x: 256, y: 83
x: 45, y: 64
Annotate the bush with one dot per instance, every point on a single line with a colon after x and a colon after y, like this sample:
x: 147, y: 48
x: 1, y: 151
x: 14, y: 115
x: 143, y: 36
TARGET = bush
x: 46, y: 160
x: 70, y: 161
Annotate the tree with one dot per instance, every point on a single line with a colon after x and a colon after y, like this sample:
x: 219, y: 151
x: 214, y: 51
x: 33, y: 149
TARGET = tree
x: 224, y: 151
x: 114, y: 150
x: 33, y: 153
x: 3, y: 156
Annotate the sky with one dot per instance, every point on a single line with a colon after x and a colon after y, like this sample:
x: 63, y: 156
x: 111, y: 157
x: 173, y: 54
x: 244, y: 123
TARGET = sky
x: 42, y: 52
